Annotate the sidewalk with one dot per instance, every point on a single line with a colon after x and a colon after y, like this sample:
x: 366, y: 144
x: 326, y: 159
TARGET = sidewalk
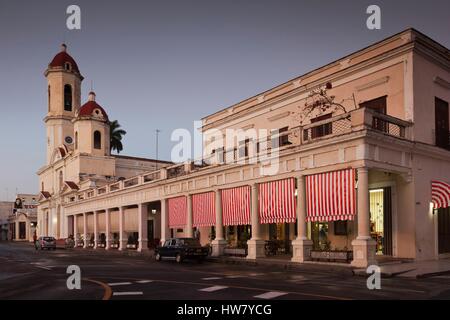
x: 413, y: 270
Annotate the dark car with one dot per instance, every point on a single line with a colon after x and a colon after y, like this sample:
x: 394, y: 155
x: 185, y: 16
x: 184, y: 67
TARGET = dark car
x: 47, y: 243
x: 181, y: 249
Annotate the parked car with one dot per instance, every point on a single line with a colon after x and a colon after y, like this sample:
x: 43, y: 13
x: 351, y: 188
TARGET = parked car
x: 181, y: 249
x: 47, y: 243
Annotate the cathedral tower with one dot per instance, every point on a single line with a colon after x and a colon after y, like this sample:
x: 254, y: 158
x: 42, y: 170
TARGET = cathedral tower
x: 64, y: 94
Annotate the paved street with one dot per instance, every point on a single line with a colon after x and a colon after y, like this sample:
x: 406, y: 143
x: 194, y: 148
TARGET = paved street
x: 29, y: 274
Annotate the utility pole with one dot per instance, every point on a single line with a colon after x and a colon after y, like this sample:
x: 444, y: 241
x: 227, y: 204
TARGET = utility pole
x: 157, y: 142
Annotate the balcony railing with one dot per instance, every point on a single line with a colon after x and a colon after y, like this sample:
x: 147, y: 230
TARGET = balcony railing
x: 357, y: 120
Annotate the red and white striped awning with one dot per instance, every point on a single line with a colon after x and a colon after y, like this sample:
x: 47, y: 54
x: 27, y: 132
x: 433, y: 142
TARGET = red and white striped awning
x: 440, y: 194
x: 203, y: 209
x: 277, y: 201
x: 331, y: 196
x: 236, y: 206
x: 177, y: 212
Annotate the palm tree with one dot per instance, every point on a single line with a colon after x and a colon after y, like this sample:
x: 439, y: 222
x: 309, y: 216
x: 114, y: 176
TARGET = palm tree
x: 116, y: 135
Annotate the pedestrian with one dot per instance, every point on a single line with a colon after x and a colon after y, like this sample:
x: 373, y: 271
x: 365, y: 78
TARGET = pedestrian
x: 35, y: 241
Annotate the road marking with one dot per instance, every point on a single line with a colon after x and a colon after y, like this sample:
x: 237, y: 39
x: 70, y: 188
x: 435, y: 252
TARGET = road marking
x: 270, y: 295
x: 128, y: 293
x: 45, y: 268
x: 212, y: 278
x: 144, y: 281
x: 255, y: 274
x: 212, y: 289
x: 235, y: 277
x: 108, y: 291
x: 119, y: 284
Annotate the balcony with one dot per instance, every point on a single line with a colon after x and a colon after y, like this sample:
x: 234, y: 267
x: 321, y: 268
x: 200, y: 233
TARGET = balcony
x: 354, y: 121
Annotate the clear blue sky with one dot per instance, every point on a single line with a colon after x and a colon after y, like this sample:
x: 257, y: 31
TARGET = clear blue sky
x: 164, y: 64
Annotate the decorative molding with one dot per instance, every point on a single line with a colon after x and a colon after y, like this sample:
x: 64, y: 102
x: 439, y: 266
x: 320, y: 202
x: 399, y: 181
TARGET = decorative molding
x: 442, y: 82
x: 373, y: 84
x: 250, y: 126
x: 279, y: 116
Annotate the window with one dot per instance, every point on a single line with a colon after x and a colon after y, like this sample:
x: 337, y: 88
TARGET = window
x: 48, y: 98
x: 442, y: 124
x: 340, y: 228
x: 378, y: 105
x: 243, y: 148
x: 280, y: 138
x: 68, y: 97
x: 97, y: 140
x: 321, y: 130
x: 67, y: 66
x: 76, y: 140
x: 42, y: 186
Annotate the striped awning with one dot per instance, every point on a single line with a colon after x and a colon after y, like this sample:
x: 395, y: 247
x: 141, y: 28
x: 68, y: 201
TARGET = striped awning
x: 331, y: 196
x: 177, y: 212
x: 236, y: 206
x: 203, y: 209
x: 440, y: 194
x: 277, y: 201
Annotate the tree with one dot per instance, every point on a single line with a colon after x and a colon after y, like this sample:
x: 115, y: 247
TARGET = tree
x: 116, y: 134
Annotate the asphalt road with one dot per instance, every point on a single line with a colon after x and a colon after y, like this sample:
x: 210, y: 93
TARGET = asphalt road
x: 29, y: 274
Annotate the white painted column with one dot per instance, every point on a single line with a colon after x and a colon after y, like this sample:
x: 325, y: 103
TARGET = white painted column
x: 302, y: 246
x: 165, y: 232
x: 75, y: 229
x: 95, y: 230
x: 108, y: 229
x: 364, y: 245
x: 143, y: 217
x: 189, y: 228
x: 122, y: 239
x: 255, y: 244
x: 85, y: 230
x: 219, y: 243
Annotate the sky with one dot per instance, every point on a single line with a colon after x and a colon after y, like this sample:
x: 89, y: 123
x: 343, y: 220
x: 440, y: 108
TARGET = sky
x: 164, y: 64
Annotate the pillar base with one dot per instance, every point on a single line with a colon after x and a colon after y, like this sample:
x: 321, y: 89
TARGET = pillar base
x: 301, y: 250
x: 122, y: 245
x: 108, y: 245
x: 143, y: 245
x: 218, y: 247
x: 255, y: 249
x: 363, y: 252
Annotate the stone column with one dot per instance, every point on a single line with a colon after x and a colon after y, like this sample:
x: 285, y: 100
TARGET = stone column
x: 108, y: 229
x: 95, y: 230
x: 143, y: 217
x: 85, y: 230
x: 302, y: 246
x: 75, y: 229
x: 189, y: 228
x: 364, y: 245
x: 255, y: 244
x: 219, y: 243
x: 165, y: 232
x: 122, y: 239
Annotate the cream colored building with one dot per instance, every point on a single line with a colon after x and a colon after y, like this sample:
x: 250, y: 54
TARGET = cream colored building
x: 22, y: 218
x: 353, y: 176
x: 78, y: 146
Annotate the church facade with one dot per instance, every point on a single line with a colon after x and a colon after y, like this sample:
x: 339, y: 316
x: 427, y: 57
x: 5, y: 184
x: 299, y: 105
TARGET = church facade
x: 349, y: 162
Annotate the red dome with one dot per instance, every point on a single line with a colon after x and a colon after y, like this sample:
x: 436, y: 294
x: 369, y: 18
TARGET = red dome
x: 89, y: 109
x: 62, y: 58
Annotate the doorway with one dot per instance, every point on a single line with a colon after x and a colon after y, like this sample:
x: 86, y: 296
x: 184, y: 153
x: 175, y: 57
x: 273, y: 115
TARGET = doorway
x: 444, y: 230
x: 381, y: 220
x: 151, y: 233
x: 22, y: 230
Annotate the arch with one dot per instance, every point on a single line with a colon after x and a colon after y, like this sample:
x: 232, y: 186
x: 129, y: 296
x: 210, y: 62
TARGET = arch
x: 68, y: 97
x: 97, y: 140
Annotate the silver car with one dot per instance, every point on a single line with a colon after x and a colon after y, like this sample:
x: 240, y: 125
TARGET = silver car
x: 47, y: 243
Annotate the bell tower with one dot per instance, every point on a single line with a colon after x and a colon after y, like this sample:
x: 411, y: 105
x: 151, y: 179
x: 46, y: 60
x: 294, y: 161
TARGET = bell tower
x: 64, y: 95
